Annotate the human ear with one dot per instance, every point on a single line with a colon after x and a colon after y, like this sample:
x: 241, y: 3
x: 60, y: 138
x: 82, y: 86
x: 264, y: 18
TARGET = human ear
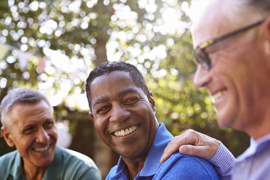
x: 265, y: 31
x: 152, y: 101
x: 266, y: 27
x: 8, y: 137
x: 91, y: 114
x: 268, y: 23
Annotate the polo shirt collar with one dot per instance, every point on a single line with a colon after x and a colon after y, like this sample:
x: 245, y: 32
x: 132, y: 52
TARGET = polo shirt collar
x: 254, y: 147
x: 52, y: 172
x: 17, y: 169
x: 55, y: 168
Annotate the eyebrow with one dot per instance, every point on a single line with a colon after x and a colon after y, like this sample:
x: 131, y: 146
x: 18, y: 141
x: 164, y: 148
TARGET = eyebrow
x: 127, y: 91
x: 101, y: 99
x: 104, y: 99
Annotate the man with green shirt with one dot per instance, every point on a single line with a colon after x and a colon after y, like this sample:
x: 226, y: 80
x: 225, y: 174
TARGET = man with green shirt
x: 28, y: 124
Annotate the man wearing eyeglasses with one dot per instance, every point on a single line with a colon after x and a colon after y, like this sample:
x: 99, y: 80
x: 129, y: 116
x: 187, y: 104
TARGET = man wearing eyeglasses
x: 232, y: 47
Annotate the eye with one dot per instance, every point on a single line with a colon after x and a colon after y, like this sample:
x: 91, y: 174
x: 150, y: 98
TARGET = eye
x: 103, y: 109
x: 28, y: 130
x: 131, y: 101
x: 48, y: 124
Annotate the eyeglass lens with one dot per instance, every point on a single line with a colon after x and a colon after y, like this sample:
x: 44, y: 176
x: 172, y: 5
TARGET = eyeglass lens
x: 202, y: 58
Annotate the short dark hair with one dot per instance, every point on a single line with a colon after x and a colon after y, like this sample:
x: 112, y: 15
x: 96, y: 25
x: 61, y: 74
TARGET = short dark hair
x: 108, y: 67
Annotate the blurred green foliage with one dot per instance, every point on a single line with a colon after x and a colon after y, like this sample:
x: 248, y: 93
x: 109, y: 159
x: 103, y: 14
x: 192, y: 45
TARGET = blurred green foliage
x: 89, y: 32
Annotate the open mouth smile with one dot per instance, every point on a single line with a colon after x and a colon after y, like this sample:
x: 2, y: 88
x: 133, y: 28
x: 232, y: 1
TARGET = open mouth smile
x: 218, y: 95
x: 125, y: 132
x: 42, y: 149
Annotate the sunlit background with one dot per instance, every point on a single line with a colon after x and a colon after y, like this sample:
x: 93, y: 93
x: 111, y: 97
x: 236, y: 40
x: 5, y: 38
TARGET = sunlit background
x: 57, y: 63
x: 52, y: 45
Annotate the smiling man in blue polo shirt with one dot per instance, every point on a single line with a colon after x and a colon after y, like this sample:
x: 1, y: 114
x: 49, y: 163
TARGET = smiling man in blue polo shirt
x: 123, y: 110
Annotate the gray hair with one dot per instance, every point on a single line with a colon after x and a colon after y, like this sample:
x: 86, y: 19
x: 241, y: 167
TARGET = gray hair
x: 241, y: 13
x: 248, y: 11
x: 262, y: 5
x: 19, y: 96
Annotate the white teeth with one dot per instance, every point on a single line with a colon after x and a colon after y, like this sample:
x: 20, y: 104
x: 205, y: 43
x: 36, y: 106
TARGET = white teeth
x: 218, y: 95
x: 41, y: 149
x: 126, y: 131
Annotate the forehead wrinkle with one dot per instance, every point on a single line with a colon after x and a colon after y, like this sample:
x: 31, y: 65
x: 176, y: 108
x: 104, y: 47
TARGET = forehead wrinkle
x: 101, y: 99
x: 212, y: 22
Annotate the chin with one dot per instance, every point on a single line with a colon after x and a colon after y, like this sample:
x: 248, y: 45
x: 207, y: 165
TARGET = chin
x: 222, y: 124
x: 45, y: 164
x: 224, y: 121
x: 226, y: 115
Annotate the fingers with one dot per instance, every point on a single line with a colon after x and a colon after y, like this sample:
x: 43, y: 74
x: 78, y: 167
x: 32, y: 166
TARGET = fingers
x: 194, y: 151
x: 191, y: 143
x: 169, y: 150
x: 188, y: 137
x: 203, y: 146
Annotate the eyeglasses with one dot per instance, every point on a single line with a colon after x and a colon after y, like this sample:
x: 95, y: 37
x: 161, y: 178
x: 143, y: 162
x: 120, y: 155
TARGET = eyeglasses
x: 202, y: 57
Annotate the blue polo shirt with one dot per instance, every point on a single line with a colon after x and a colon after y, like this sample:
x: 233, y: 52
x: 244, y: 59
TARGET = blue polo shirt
x: 66, y: 165
x: 178, y: 166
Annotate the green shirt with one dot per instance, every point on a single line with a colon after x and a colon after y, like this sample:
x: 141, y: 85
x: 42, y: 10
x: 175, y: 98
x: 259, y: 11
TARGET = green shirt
x: 67, y: 165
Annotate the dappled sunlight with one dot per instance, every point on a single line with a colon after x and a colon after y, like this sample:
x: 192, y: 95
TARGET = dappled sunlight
x: 51, y: 46
x: 146, y: 33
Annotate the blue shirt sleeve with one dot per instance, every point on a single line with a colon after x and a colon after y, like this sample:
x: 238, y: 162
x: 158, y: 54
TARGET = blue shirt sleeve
x: 183, y: 167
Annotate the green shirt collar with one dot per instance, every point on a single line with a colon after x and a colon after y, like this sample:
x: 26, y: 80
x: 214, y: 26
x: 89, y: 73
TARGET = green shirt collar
x: 53, y: 172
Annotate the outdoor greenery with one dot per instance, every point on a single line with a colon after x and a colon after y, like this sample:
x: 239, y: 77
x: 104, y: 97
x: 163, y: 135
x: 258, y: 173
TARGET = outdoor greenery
x: 71, y: 37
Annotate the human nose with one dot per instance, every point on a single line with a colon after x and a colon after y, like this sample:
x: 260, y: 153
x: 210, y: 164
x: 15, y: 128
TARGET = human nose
x: 201, y: 77
x: 119, y: 114
x: 42, y: 136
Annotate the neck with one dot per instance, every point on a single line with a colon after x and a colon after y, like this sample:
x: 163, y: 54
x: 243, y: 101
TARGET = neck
x: 33, y: 172
x: 135, y: 164
x: 261, y: 127
x: 259, y: 130
x: 134, y: 167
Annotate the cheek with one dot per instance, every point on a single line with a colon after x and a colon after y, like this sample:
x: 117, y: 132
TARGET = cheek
x: 55, y: 133
x: 17, y: 138
x: 149, y: 111
x: 52, y: 133
x: 24, y: 142
x: 100, y: 125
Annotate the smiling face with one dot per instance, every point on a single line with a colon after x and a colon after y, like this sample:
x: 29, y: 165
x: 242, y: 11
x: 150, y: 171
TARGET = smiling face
x: 239, y: 76
x: 123, y: 115
x: 33, y: 133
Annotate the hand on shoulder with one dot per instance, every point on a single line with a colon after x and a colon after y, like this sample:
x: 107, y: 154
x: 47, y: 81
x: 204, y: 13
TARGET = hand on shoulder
x: 192, y: 143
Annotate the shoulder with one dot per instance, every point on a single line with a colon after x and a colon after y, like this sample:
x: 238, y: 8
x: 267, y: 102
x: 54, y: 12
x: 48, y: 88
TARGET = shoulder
x: 8, y: 157
x: 77, y: 164
x: 113, y: 170
x: 6, y: 163
x: 77, y: 157
x: 118, y: 171
x: 113, y: 173
x: 186, y: 167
